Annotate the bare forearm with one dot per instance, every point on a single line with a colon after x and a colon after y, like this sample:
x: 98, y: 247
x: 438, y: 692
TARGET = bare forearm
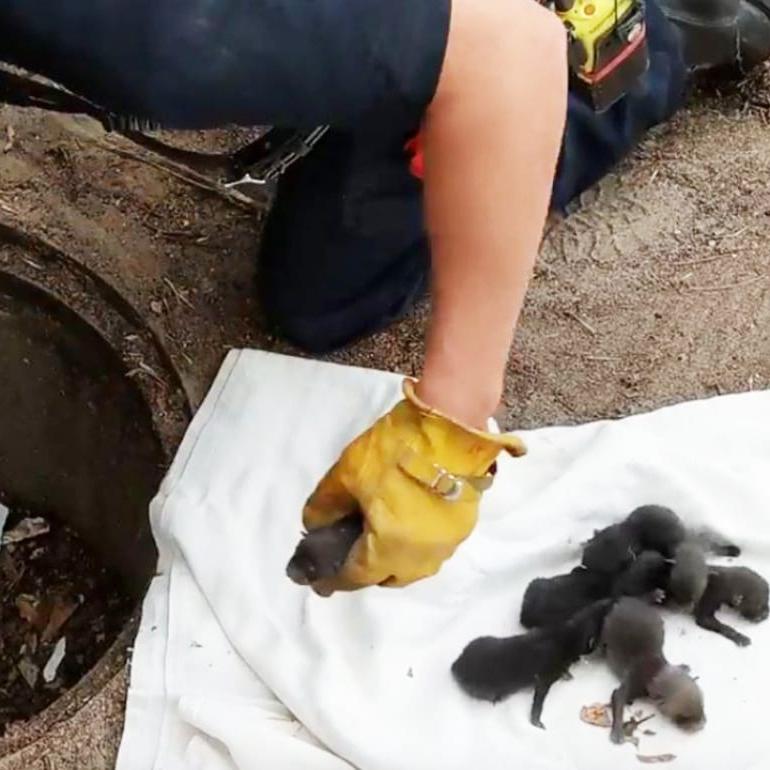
x: 490, y: 158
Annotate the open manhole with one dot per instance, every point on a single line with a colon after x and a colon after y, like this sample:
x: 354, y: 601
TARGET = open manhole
x: 90, y: 413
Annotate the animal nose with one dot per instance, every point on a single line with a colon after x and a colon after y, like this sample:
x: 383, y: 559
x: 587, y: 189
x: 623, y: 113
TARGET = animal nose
x: 694, y: 726
x: 297, y: 575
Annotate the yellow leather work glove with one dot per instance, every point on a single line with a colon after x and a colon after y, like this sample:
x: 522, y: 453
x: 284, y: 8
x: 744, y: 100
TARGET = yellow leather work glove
x: 417, y: 477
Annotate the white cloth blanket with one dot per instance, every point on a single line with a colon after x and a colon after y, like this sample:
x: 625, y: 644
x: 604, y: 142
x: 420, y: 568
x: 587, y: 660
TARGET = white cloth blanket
x: 229, y: 649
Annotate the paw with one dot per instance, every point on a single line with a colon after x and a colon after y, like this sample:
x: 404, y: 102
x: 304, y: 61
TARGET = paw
x: 538, y: 723
x: 658, y: 596
x: 741, y: 640
x: 618, y: 736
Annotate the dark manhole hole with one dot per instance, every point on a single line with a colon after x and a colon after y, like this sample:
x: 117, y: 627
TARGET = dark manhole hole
x: 90, y: 413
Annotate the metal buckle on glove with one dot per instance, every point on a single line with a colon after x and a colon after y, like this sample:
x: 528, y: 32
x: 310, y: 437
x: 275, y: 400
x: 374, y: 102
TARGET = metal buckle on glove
x: 451, y: 487
x: 450, y: 492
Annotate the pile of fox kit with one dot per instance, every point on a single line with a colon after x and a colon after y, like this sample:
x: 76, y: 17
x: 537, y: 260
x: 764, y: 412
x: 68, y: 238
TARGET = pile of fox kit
x: 608, y: 606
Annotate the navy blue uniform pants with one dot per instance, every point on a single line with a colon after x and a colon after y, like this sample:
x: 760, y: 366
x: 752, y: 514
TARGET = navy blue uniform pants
x: 344, y: 251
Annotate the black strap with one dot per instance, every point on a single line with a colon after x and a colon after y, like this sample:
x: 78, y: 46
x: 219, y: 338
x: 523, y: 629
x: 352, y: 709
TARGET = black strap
x: 260, y: 161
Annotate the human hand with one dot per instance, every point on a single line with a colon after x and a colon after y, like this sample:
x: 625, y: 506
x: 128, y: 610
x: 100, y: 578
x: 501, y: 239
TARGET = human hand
x: 417, y: 477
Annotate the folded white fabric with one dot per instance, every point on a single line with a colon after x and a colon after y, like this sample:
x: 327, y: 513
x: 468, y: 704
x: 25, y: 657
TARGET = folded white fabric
x: 236, y: 668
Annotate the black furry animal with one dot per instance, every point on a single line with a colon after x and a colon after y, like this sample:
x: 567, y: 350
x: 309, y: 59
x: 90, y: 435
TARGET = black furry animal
x: 646, y: 576
x: 610, y: 550
x: 493, y: 668
x: 689, y: 575
x: 647, y: 528
x: 738, y: 587
x: 655, y: 528
x: 556, y: 599
x: 321, y: 553
x: 632, y: 640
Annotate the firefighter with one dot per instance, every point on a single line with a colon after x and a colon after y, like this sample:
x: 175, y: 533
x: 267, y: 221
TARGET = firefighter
x: 353, y: 238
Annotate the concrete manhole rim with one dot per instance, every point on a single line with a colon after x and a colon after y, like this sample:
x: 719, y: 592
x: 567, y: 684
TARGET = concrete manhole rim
x: 29, y: 258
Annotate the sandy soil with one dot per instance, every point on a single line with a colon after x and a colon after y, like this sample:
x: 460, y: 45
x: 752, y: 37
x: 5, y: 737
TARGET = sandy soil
x: 657, y: 290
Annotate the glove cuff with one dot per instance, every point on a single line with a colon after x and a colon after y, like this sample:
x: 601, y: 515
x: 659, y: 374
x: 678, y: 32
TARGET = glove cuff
x: 507, y: 442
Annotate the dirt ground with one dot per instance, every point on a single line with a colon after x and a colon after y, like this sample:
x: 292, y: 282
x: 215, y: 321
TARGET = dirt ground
x: 657, y: 290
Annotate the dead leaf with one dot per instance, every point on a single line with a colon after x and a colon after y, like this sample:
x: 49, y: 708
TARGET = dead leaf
x: 156, y: 306
x: 653, y: 759
x: 61, y: 611
x: 32, y: 610
x: 29, y: 671
x: 25, y: 530
x: 597, y: 714
x: 13, y: 572
x: 31, y: 641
